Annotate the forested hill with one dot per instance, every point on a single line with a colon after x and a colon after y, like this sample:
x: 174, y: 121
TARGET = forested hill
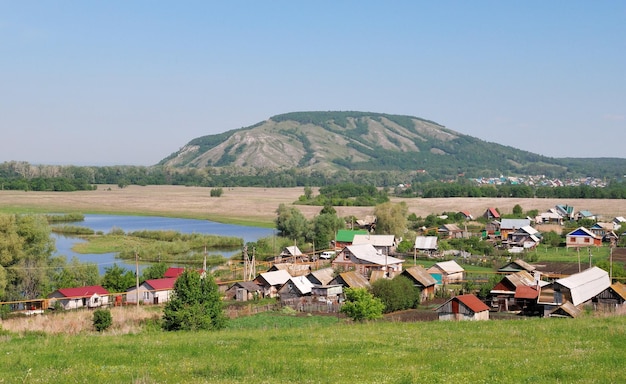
x: 363, y: 141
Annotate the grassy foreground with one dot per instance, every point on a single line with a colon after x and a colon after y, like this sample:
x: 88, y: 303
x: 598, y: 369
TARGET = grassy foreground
x: 583, y: 350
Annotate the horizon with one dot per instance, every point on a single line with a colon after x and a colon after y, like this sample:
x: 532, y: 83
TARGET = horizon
x: 117, y: 83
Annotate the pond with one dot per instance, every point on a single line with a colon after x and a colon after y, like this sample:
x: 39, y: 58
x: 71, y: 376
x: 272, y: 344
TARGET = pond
x: 106, y: 223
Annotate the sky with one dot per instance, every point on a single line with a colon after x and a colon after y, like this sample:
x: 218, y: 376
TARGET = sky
x: 130, y: 82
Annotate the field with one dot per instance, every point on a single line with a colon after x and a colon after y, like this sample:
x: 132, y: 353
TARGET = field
x: 256, y: 206
x: 303, y: 350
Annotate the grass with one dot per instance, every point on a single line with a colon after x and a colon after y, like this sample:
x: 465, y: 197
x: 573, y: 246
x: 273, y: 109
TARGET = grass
x: 310, y: 350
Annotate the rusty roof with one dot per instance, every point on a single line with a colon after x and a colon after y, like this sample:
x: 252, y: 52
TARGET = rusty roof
x: 353, y: 279
x: 526, y: 292
x: 420, y: 275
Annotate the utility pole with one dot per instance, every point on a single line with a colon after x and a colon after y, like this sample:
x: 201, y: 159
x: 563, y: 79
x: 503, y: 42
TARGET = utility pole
x: 137, y: 276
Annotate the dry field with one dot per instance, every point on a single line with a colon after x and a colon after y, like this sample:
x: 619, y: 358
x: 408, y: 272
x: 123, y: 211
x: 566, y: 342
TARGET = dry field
x: 257, y: 205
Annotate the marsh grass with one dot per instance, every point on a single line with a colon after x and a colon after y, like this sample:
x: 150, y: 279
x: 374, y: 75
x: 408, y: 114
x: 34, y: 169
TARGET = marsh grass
x: 271, y: 349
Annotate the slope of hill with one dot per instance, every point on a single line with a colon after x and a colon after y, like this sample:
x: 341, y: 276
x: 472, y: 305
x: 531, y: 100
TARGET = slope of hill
x: 353, y: 141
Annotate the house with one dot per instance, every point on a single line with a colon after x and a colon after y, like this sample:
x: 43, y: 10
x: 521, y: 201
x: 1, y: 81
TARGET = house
x: 244, y: 291
x: 584, y: 214
x: 525, y: 238
x: 426, y: 244
x: 579, y: 288
x: 350, y: 279
x: 549, y: 217
x: 503, y: 294
x: 92, y: 296
x: 294, y: 288
x: 345, y: 237
x: 292, y: 268
x: 516, y: 266
x: 566, y: 211
x: 270, y: 282
x: 447, y: 272
x: 364, y: 258
x: 173, y: 272
x: 582, y: 237
x: 421, y: 279
x: 321, y: 276
x: 492, y: 230
x: 468, y: 216
x: 463, y: 307
x: 491, y: 214
x: 293, y: 254
x: 153, y: 291
x: 508, y: 226
x: 618, y: 221
x: 450, y: 231
x: 601, y: 228
x: 383, y: 243
x: 612, y: 298
x: 369, y: 223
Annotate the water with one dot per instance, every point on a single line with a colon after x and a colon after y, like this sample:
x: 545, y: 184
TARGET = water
x: 105, y: 223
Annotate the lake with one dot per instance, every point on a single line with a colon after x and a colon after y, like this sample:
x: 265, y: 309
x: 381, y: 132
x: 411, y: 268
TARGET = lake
x: 105, y: 223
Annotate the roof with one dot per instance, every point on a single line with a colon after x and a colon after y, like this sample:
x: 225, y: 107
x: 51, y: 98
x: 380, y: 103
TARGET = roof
x: 450, y: 228
x: 521, y: 266
x: 514, y: 223
x: 375, y: 240
x: 249, y: 286
x: 619, y: 289
x: 293, y: 269
x: 347, y: 235
x: 449, y: 266
x: 426, y: 242
x: 279, y: 277
x: 586, y: 213
x: 420, y: 275
x: 566, y: 309
x: 291, y: 250
x: 492, y: 212
x: 470, y: 301
x: 376, y: 275
x: 161, y: 284
x: 585, y: 285
x: 87, y: 291
x: 369, y: 254
x: 353, y: 279
x: 302, y: 284
x: 582, y: 231
x: 173, y: 272
x: 324, y: 276
x: 526, y: 292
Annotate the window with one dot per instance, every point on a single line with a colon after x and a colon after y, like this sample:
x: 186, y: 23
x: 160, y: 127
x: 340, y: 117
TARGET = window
x: 586, y: 239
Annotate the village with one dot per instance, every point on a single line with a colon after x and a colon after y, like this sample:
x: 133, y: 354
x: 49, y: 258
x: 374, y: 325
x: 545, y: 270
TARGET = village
x: 315, y: 282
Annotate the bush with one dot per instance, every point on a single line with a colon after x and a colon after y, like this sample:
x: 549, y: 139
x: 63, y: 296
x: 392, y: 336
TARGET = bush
x: 361, y: 305
x: 102, y: 319
x: 397, y: 294
x: 216, y: 192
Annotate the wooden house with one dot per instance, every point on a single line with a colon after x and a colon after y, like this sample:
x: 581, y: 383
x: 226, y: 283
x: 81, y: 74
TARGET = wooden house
x: 295, y: 287
x: 293, y: 254
x: 491, y: 214
x: 270, y: 282
x: 364, y: 258
x: 502, y: 296
x: 579, y: 289
x: 421, y: 279
x: 526, y: 300
x: 526, y: 237
x: 92, y: 296
x: 463, y: 307
x: 447, y: 272
x: 582, y: 237
x: 467, y: 215
x: 508, y: 226
x: 153, y: 291
x: 600, y: 228
x: 516, y: 266
x: 450, y: 231
x: 426, y: 244
x: 244, y: 291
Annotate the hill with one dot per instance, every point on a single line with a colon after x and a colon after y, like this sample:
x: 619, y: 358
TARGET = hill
x: 364, y: 141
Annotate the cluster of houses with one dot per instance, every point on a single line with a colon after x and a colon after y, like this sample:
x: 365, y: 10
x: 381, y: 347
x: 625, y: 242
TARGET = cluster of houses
x: 361, y: 258
x: 542, y: 181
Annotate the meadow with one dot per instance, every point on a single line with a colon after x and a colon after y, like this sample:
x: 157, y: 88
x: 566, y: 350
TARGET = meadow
x: 271, y: 348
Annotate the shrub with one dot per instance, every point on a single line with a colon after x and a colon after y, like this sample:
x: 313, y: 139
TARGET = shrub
x: 361, y: 305
x: 216, y: 192
x: 102, y: 319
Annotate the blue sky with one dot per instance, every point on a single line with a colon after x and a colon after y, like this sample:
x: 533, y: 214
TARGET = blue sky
x: 130, y: 82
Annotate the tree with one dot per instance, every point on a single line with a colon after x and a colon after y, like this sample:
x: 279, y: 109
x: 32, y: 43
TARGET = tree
x: 324, y: 228
x: 518, y: 211
x: 196, y: 304
x: 391, y: 218
x: 396, y: 294
x: 361, y: 305
x: 76, y: 274
x: 154, y: 271
x: 118, y: 279
x: 291, y: 223
x: 102, y: 319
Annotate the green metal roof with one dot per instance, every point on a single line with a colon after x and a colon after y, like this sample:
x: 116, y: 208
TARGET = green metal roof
x: 347, y: 235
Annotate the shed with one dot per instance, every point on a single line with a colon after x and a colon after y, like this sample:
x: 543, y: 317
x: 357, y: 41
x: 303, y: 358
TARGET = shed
x: 295, y: 287
x: 450, y: 271
x: 244, y: 291
x: 421, y: 279
x: 321, y: 276
x: 463, y: 307
x: 516, y: 266
x: 271, y: 282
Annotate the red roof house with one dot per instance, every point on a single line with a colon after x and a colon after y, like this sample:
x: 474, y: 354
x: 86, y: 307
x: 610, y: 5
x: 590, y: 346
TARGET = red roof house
x: 463, y: 307
x: 71, y: 298
x: 154, y: 291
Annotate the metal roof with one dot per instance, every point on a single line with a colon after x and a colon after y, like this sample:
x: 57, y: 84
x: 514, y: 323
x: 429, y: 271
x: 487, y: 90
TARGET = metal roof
x: 426, y: 242
x: 347, y: 235
x: 585, y: 285
x: 302, y: 284
x: 514, y: 223
x: 324, y: 275
x: 279, y: 277
x: 161, y: 284
x: 449, y: 266
x: 419, y: 274
x: 375, y: 240
x: 369, y: 254
x: 353, y: 279
x: 87, y: 291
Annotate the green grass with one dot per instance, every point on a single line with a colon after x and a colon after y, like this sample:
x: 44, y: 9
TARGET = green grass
x: 584, y: 350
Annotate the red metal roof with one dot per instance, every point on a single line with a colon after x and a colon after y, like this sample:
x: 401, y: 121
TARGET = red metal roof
x: 174, y: 272
x: 83, y: 291
x: 472, y: 302
x: 526, y: 292
x: 162, y: 284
